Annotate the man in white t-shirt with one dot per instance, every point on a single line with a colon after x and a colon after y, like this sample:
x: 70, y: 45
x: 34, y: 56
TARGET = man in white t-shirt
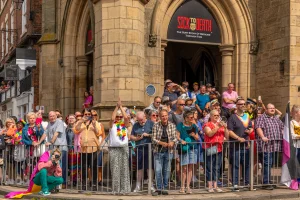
x: 228, y: 99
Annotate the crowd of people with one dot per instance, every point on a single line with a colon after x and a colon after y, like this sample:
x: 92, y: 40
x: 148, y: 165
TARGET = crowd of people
x: 198, y: 129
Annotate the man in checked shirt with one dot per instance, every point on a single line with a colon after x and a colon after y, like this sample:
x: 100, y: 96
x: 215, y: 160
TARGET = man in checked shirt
x: 164, y: 138
x: 269, y: 129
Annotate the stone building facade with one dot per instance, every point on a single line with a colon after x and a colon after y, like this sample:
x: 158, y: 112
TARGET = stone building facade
x: 121, y: 46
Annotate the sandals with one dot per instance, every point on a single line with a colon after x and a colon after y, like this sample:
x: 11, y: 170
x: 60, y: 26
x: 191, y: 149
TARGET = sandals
x: 182, y: 190
x: 188, y: 190
x: 211, y: 190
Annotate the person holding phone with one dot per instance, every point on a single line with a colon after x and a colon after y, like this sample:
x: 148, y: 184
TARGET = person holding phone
x: 49, y: 173
x: 187, y: 134
x: 89, y: 131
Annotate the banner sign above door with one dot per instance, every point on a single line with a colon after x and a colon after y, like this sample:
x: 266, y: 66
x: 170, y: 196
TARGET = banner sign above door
x: 192, y: 21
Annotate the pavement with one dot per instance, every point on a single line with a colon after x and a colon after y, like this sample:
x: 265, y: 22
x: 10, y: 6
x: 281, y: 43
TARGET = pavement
x: 280, y: 193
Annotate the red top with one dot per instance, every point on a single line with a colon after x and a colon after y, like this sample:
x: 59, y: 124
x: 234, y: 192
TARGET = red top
x: 217, y: 138
x: 53, y: 170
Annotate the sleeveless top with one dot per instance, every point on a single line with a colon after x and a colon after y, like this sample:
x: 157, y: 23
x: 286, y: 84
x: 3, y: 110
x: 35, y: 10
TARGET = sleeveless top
x: 118, y: 136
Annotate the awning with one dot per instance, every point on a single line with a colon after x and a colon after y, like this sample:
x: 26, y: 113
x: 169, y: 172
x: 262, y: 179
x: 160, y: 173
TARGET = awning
x: 25, y: 58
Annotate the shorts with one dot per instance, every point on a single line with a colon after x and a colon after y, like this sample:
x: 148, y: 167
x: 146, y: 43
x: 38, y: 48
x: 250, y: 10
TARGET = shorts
x: 100, y: 155
x: 143, y: 158
x: 189, y: 158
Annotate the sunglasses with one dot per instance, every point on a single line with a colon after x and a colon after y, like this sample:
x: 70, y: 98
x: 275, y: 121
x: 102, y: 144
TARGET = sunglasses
x: 241, y: 104
x: 181, y: 104
x: 94, y: 115
x: 216, y: 115
x: 78, y: 116
x: 154, y: 115
x: 87, y: 114
x: 120, y: 117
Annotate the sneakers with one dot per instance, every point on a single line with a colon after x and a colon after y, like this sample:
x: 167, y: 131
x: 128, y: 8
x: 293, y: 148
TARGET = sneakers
x: 195, y: 179
x: 46, y: 193
x: 235, y: 188
x: 156, y: 193
x: 137, y: 188
x: 268, y: 187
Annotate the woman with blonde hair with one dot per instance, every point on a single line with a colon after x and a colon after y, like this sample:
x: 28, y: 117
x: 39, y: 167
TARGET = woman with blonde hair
x: 295, y: 128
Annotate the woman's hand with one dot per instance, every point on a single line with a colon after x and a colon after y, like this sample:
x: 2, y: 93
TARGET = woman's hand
x: 183, y: 142
x: 35, y: 143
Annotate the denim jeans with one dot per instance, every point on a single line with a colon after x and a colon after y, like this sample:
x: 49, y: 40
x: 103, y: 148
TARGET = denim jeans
x: 240, y: 157
x: 267, y: 165
x: 162, y: 163
x: 213, y: 166
x: 64, y: 165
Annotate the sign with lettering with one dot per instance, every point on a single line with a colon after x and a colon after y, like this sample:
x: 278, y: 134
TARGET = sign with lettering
x: 192, y: 21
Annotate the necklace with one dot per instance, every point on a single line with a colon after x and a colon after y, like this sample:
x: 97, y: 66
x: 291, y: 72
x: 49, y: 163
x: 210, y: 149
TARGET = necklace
x: 121, y: 130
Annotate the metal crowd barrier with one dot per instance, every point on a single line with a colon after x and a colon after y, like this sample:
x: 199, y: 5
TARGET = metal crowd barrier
x: 16, y: 169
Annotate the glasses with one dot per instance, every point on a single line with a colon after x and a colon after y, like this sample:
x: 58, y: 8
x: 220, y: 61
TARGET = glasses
x: 154, y: 115
x: 87, y: 114
x: 158, y: 102
x: 216, y: 115
x: 181, y: 104
x: 120, y: 117
x: 241, y: 104
x: 94, y: 115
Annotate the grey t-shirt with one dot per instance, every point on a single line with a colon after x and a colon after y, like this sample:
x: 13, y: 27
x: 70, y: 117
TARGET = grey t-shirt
x: 61, y: 140
x: 175, y: 118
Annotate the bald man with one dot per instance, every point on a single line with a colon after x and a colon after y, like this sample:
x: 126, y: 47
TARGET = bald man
x: 56, y: 136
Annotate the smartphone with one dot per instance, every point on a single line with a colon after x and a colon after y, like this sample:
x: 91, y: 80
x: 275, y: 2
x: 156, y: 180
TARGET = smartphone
x: 139, y: 135
x: 259, y: 98
x: 89, y: 118
x: 42, y: 108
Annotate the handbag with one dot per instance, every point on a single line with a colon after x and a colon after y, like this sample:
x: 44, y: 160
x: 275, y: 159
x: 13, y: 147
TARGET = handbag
x: 211, y: 150
x: 184, y: 148
x: 39, y: 150
x: 19, y: 153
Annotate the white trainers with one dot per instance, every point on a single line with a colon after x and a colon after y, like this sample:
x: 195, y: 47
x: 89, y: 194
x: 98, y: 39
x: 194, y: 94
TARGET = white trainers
x: 259, y: 166
x: 137, y: 189
x: 152, y: 188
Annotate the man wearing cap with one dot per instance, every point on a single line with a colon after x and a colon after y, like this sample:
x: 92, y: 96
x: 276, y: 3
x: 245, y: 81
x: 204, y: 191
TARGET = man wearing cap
x: 201, y: 99
x: 228, y: 99
x: 214, y: 105
x: 195, y: 92
x: 187, y: 93
x: 173, y: 91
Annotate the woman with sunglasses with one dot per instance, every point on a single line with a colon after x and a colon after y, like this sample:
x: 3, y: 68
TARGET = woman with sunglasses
x: 187, y: 134
x: 214, y: 133
x: 118, y: 151
x: 153, y: 115
x: 89, y: 132
x: 100, y: 155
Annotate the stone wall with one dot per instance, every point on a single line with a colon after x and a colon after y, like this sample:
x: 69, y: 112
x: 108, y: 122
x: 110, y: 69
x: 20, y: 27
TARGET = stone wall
x: 273, y: 31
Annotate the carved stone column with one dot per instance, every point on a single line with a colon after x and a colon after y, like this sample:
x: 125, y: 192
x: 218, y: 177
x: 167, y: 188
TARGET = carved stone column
x: 164, y: 44
x: 227, y: 72
x: 81, y: 82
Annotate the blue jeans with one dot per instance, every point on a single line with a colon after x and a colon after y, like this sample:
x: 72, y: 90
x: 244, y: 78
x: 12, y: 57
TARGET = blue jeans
x: 213, y: 166
x: 64, y: 165
x: 240, y: 157
x: 267, y: 165
x: 162, y: 168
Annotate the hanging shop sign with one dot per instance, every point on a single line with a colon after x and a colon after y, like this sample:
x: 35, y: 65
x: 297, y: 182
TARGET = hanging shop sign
x: 11, y: 73
x: 193, y: 21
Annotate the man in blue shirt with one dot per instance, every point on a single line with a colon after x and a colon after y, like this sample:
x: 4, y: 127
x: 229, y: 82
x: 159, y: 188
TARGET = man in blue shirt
x: 173, y: 91
x: 141, y: 133
x: 201, y: 99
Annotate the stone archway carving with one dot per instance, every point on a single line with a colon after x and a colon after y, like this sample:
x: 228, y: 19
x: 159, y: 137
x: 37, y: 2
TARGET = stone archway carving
x: 234, y: 20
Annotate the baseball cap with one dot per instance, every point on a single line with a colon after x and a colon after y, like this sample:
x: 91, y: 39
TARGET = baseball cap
x: 215, y: 101
x: 251, y: 101
x: 195, y: 83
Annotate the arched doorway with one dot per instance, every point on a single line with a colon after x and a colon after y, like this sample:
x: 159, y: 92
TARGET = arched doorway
x: 192, y: 50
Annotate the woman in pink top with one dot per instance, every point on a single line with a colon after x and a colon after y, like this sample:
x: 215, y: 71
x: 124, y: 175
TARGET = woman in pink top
x: 88, y: 100
x: 49, y: 173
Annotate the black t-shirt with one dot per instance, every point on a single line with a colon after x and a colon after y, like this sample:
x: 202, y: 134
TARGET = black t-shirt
x: 164, y: 138
x: 238, y: 125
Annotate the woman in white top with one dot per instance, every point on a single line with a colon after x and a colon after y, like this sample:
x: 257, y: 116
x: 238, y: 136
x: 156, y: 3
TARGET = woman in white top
x: 295, y: 128
x: 118, y: 150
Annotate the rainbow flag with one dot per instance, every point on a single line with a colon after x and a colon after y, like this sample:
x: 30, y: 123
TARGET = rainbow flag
x: 33, y: 188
